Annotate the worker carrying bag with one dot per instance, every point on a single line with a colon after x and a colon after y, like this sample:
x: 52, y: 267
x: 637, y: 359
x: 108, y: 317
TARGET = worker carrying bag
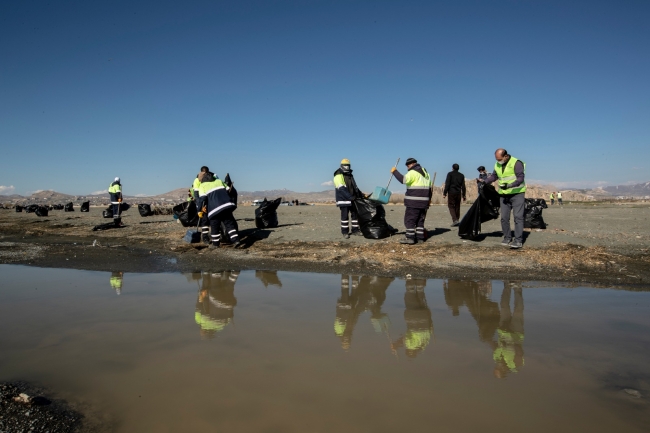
x: 145, y: 210
x: 485, y: 208
x: 372, y: 219
x: 85, y: 207
x: 266, y: 216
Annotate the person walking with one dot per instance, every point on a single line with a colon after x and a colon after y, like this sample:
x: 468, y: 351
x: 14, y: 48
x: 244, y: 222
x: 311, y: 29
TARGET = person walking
x: 510, y: 173
x: 552, y: 197
x: 115, y: 192
x: 559, y: 198
x: 416, y: 200
x: 216, y: 205
x: 346, y: 191
x: 482, y: 175
x: 455, y: 189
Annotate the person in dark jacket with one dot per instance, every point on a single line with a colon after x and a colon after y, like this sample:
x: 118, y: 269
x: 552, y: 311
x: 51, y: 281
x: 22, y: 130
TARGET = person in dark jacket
x: 216, y: 204
x: 417, y: 199
x: 455, y: 189
x: 482, y: 175
x: 346, y: 191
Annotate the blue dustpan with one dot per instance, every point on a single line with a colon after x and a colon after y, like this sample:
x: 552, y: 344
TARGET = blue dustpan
x: 382, y: 195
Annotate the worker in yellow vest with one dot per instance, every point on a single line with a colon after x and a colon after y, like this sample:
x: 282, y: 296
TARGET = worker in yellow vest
x: 552, y: 197
x: 510, y: 174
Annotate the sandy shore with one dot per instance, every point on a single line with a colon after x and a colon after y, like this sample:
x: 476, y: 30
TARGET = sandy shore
x: 603, y: 244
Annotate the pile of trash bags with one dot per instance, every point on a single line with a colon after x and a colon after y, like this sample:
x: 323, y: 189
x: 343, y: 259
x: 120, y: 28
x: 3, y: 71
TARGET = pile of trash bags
x: 186, y: 213
x: 533, y: 213
x: 145, y: 210
x: 85, y: 207
x: 372, y: 219
x: 57, y: 207
x: 266, y: 215
x: 68, y: 207
x: 31, y: 208
x: 485, y: 208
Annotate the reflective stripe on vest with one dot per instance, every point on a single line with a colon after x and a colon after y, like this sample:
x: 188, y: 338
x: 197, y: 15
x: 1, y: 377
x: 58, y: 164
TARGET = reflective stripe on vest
x: 114, y: 188
x: 508, y: 176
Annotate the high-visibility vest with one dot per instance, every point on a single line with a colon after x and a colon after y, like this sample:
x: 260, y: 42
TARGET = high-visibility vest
x: 508, y: 176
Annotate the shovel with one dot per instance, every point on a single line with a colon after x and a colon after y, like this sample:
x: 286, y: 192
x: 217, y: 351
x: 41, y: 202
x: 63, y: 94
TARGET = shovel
x: 382, y: 195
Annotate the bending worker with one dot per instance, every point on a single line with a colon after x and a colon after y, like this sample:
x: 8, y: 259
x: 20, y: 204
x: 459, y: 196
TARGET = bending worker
x: 416, y: 200
x: 510, y: 173
x: 346, y: 192
x: 216, y: 206
x: 115, y: 191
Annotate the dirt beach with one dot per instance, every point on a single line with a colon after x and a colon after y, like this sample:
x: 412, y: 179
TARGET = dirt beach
x: 602, y: 244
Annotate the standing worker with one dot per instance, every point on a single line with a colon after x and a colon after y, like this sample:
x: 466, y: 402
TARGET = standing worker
x: 416, y: 200
x: 559, y: 198
x: 215, y: 205
x: 552, y: 197
x: 510, y: 172
x: 203, y: 222
x: 115, y: 191
x: 455, y: 188
x: 482, y: 175
x: 346, y: 192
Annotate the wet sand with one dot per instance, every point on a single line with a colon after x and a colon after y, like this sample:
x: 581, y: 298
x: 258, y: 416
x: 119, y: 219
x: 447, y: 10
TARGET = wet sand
x: 604, y: 244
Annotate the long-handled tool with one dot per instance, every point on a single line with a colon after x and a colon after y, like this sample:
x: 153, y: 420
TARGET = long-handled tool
x: 382, y: 195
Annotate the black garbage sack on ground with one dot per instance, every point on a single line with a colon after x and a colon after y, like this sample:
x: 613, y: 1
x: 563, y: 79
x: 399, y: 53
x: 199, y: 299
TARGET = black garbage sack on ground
x: 58, y: 207
x: 68, y: 207
x: 19, y: 208
x: 372, y: 219
x: 533, y: 213
x: 108, y: 212
x: 266, y: 215
x: 232, y: 192
x: 485, y: 208
x: 41, y: 211
x: 31, y: 208
x: 187, y: 213
x: 107, y: 226
x: 145, y: 210
x: 85, y: 207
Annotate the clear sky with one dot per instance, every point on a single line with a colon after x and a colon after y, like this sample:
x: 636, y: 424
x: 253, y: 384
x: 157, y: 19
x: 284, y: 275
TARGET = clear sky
x: 277, y: 92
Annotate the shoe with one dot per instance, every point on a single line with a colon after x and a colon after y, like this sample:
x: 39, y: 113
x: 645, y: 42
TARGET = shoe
x: 407, y: 241
x: 455, y: 224
x: 506, y: 242
x: 213, y: 246
x: 515, y: 245
x: 346, y: 235
x: 236, y: 244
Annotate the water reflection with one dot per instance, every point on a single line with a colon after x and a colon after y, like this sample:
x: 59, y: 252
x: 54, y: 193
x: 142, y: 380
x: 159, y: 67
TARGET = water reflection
x: 116, y: 281
x: 216, y: 301
x: 359, y: 294
x: 417, y: 315
x: 501, y: 328
x: 269, y: 278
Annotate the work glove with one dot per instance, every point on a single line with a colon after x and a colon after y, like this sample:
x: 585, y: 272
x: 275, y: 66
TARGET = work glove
x: 503, y: 186
x: 393, y: 170
x: 200, y: 214
x: 119, y: 200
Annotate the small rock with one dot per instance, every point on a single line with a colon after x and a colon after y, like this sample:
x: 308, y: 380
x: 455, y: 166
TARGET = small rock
x: 22, y: 398
x: 632, y: 392
x: 408, y: 276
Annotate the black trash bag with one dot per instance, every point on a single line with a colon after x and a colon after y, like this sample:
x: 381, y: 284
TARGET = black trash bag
x: 232, y: 192
x: 187, y: 213
x: 145, y: 210
x: 31, y: 208
x: 107, y: 226
x: 124, y: 207
x: 85, y: 207
x: 58, y: 207
x: 19, y: 208
x: 41, y: 211
x: 68, y: 207
x: 485, y: 208
x: 266, y: 215
x: 533, y: 213
x: 372, y: 219
x: 108, y: 212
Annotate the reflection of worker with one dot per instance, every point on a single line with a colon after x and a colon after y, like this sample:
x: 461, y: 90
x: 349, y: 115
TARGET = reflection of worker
x: 417, y: 315
x: 508, y: 352
x: 416, y: 199
x: 475, y: 296
x: 269, y: 278
x: 115, y: 191
x: 359, y: 294
x: 216, y: 302
x: 116, y: 281
x: 346, y: 191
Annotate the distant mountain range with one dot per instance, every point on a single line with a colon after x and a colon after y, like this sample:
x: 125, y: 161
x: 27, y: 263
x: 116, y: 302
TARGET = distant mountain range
x: 638, y: 190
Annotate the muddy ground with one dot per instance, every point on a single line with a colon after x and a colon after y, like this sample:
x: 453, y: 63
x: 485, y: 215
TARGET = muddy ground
x: 602, y: 244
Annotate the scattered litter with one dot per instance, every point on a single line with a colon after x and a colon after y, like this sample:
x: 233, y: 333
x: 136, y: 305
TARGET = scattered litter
x: 629, y: 391
x: 24, y: 398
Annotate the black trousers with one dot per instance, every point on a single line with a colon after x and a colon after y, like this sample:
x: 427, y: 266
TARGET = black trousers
x: 116, y: 210
x: 345, y: 210
x: 453, y: 202
x: 229, y: 223
x: 414, y: 222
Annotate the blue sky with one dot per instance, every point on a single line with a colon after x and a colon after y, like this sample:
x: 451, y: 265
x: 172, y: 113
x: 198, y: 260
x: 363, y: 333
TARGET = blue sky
x: 277, y: 93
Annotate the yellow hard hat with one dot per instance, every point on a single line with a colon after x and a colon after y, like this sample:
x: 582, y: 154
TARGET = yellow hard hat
x: 345, y: 161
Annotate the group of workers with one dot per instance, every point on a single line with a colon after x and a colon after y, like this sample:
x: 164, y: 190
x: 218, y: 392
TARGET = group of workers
x: 508, y: 173
x: 559, y: 198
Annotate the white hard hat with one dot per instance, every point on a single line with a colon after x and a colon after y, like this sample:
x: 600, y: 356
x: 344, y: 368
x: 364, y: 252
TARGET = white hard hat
x: 117, y: 179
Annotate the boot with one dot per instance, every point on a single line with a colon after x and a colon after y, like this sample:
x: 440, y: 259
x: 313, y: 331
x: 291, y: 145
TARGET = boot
x: 407, y: 241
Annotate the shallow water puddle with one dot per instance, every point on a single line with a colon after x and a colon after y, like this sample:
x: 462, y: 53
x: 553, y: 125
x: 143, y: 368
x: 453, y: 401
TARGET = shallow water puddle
x: 291, y: 352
